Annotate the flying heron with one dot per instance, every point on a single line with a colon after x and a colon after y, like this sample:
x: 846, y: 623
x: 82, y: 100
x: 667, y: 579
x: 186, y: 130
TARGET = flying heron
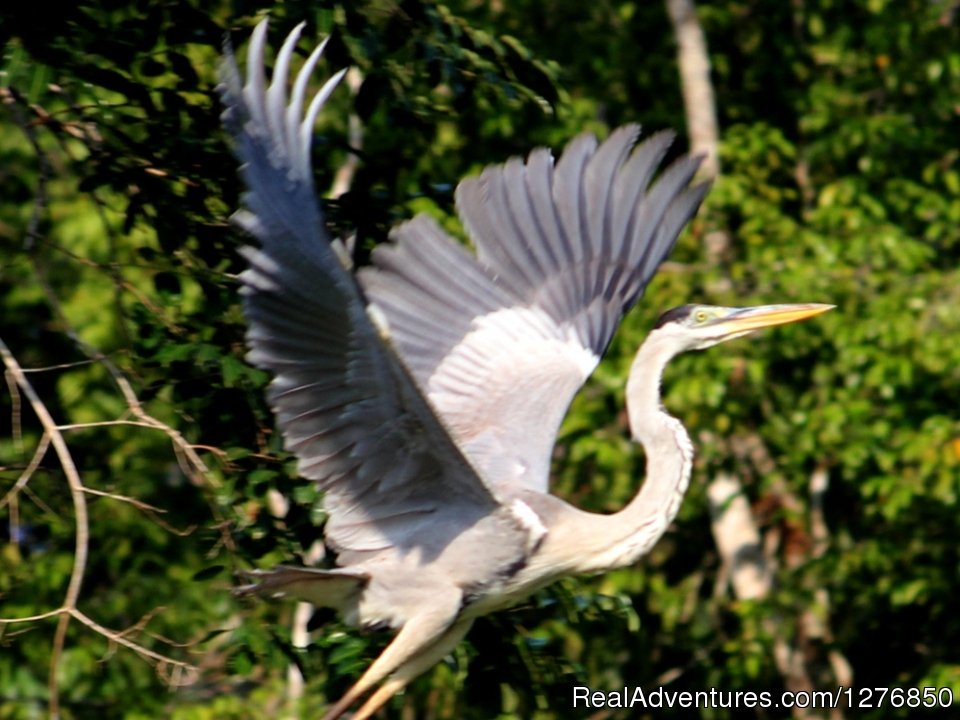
x: 424, y: 393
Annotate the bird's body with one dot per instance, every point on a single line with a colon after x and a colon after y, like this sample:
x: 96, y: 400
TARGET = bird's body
x: 424, y: 393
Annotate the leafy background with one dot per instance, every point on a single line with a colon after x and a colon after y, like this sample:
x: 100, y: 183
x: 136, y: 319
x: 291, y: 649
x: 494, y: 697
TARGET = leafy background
x: 840, y: 183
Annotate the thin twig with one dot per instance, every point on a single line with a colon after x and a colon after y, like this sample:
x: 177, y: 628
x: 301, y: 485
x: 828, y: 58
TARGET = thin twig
x: 53, y: 434
x: 194, y: 467
x: 60, y: 366
x: 32, y: 618
x: 150, y: 510
x: 107, y: 423
x: 38, y: 501
x: 139, y: 504
x: 120, y: 639
x: 81, y: 545
x: 28, y: 472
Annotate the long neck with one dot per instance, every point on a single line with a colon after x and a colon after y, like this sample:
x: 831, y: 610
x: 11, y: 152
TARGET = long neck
x: 665, y: 440
x: 633, y: 531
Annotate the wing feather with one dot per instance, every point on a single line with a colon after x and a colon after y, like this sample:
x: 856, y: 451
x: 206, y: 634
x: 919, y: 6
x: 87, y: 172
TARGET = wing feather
x: 562, y: 251
x: 345, y: 403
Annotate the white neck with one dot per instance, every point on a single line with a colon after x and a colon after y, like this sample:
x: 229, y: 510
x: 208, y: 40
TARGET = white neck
x: 664, y: 438
x: 632, y: 532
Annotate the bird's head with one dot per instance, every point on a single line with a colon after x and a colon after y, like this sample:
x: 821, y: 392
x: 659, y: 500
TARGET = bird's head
x: 695, y: 327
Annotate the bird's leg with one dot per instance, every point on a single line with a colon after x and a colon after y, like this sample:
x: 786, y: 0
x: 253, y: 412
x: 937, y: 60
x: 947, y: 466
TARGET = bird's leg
x: 414, y: 667
x: 417, y: 633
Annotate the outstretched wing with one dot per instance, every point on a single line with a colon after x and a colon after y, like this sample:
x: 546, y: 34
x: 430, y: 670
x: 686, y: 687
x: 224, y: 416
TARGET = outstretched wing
x: 501, y: 341
x: 346, y: 405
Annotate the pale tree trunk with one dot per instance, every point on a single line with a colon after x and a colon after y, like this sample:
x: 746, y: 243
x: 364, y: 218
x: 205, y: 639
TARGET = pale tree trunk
x: 738, y: 539
x: 699, y: 104
x: 344, y: 176
x: 698, y: 100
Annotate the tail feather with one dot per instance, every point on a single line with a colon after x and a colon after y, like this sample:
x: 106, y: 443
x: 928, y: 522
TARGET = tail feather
x: 337, y: 589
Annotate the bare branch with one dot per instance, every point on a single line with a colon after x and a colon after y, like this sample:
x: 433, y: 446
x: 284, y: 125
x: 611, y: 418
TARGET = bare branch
x: 32, y: 618
x: 150, y: 510
x: 28, y: 472
x: 120, y: 638
x: 81, y: 544
x: 53, y: 434
x: 59, y: 366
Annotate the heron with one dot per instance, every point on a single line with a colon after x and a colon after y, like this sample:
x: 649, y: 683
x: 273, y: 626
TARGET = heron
x: 424, y: 392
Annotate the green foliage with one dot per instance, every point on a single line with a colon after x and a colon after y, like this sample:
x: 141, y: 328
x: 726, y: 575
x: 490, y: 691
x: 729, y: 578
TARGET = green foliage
x: 840, y: 184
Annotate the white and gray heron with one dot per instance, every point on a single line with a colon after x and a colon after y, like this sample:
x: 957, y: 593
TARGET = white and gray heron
x: 424, y: 393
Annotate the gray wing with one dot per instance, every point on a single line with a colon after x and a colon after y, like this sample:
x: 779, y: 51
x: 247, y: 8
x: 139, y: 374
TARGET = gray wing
x: 501, y: 341
x: 345, y: 404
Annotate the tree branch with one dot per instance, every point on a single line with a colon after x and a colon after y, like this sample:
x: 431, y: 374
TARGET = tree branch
x: 81, y: 543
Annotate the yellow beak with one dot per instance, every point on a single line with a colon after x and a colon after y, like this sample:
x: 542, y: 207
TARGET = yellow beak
x: 763, y: 316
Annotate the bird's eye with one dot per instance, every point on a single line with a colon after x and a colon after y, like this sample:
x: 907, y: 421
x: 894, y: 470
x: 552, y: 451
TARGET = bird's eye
x: 701, y: 316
